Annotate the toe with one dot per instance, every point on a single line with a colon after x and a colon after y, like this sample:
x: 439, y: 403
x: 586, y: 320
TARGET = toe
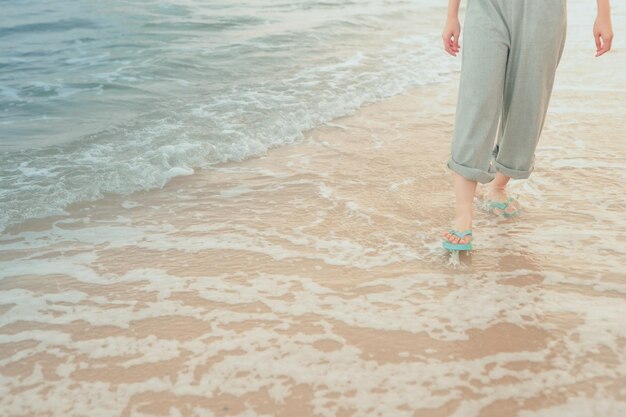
x: 513, y: 207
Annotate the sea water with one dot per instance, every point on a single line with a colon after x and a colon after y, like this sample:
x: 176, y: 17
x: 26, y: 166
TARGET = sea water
x: 311, y: 280
x: 119, y: 96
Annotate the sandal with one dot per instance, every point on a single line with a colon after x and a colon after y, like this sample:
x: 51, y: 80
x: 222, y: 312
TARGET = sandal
x: 491, y: 205
x: 458, y: 246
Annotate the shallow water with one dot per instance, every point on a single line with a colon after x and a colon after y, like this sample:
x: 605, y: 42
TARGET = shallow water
x: 310, y: 280
x: 124, y: 96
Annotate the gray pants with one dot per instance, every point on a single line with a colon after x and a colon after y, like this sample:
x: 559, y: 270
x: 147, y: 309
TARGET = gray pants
x: 510, y: 50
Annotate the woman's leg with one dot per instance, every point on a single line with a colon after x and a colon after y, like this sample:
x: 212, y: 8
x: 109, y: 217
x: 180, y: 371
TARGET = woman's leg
x: 498, y: 192
x: 464, y: 190
x: 479, y: 106
x: 538, y: 31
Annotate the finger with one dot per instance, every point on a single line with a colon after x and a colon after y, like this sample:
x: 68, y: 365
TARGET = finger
x: 606, y: 45
x: 456, y: 41
x: 598, y: 41
x: 454, y: 47
x: 454, y: 44
x: 605, y: 48
x: 448, y: 47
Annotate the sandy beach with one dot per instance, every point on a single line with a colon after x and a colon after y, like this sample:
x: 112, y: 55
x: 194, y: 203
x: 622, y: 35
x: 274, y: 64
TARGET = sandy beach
x: 311, y: 281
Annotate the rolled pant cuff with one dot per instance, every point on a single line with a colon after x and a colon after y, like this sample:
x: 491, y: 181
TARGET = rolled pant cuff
x: 472, y: 174
x: 512, y: 173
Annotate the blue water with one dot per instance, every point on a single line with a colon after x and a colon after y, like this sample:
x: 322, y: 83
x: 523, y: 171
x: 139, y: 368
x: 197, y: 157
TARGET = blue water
x: 120, y: 96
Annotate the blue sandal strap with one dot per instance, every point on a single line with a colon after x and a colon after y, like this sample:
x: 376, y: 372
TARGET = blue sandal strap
x: 457, y: 246
x: 461, y: 234
x: 501, y: 206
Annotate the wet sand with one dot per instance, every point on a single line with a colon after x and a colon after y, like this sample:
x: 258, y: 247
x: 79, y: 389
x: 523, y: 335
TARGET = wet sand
x: 311, y: 281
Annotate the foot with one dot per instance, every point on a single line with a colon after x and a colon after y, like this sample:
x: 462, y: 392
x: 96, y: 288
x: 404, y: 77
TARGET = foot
x: 500, y: 195
x: 461, y: 224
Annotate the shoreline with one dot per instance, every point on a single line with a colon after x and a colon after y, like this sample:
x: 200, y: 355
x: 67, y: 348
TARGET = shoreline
x: 311, y: 280
x: 74, y: 207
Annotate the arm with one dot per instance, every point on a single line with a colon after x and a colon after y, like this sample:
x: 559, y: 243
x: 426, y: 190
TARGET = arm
x: 602, y: 31
x: 452, y: 28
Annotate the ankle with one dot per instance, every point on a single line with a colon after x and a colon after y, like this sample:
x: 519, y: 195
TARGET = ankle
x: 497, y: 189
x: 500, y: 182
x: 463, y: 221
x: 464, y: 212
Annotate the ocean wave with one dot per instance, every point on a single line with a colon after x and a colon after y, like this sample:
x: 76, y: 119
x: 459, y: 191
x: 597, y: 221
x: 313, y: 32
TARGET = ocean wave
x: 52, y: 26
x: 202, y: 105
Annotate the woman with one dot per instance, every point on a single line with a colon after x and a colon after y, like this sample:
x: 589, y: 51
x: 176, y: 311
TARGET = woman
x: 511, y: 51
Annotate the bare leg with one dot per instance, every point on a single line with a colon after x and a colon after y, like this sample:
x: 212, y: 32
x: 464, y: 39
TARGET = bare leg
x: 497, y: 192
x: 464, y: 190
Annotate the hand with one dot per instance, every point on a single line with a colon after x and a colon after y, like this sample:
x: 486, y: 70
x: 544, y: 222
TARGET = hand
x: 450, y: 36
x: 602, y: 33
